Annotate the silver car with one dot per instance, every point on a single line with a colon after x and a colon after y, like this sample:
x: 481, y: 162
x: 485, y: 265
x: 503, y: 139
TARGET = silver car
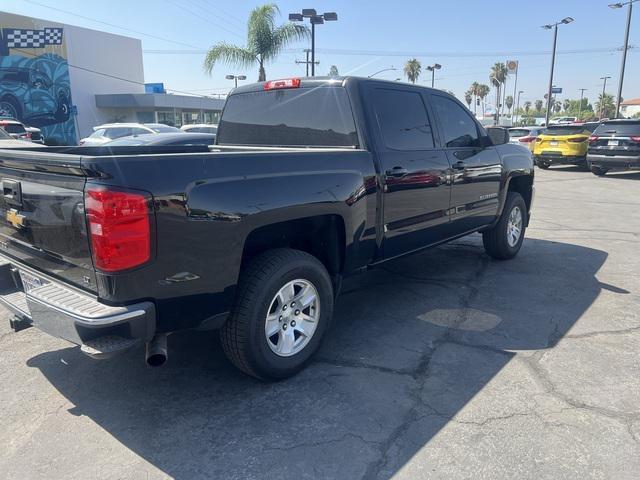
x: 524, y: 135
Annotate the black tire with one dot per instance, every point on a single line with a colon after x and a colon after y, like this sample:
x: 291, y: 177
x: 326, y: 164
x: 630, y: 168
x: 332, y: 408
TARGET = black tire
x: 64, y: 109
x: 495, y: 240
x: 599, y: 171
x: 243, y: 337
x: 543, y: 165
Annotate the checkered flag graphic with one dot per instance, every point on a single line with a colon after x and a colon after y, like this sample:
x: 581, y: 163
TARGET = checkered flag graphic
x: 53, y: 36
x: 22, y: 38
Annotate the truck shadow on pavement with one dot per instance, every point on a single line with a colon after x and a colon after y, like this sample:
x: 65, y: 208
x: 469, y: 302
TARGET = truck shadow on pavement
x: 413, y: 342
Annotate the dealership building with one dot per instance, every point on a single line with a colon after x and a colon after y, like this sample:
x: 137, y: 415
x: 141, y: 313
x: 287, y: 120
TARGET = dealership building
x: 66, y: 79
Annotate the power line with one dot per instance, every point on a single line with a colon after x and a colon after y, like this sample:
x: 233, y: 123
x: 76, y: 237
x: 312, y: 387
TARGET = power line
x: 111, y: 24
x: 182, y: 7
x: 218, y: 11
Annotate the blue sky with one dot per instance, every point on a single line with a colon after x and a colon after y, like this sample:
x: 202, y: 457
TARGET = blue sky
x: 466, y: 37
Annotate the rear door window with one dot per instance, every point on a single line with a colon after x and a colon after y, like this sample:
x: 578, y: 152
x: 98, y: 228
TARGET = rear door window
x: 314, y: 117
x: 558, y: 130
x: 518, y: 132
x: 14, y: 128
x: 621, y: 129
x: 403, y: 119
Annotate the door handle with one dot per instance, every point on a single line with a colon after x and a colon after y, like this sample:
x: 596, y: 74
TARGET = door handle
x: 459, y: 165
x: 396, y: 172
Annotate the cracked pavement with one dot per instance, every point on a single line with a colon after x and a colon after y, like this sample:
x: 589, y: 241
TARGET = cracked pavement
x: 445, y: 364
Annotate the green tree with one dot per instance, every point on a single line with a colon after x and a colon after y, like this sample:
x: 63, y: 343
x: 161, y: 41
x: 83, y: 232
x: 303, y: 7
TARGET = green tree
x: 557, y: 106
x: 566, y: 105
x: 527, y: 107
x: 605, y: 106
x: 483, y: 91
x: 474, y: 89
x: 497, y: 77
x: 539, y: 104
x: 265, y: 41
x: 333, y: 71
x: 468, y: 98
x: 412, y: 70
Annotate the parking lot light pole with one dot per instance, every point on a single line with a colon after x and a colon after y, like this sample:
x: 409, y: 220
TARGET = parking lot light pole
x: 624, y: 50
x: 235, y: 78
x: 391, y: 69
x: 604, y: 86
x: 518, y: 103
x: 553, y: 26
x: 314, y: 19
x: 432, y: 69
x: 582, y: 90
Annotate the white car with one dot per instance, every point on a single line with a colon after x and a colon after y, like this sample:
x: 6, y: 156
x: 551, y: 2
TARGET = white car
x: 524, y: 135
x: 563, y: 120
x: 200, y: 128
x: 7, y: 141
x: 110, y: 131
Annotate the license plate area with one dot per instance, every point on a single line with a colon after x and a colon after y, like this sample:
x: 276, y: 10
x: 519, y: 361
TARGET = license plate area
x: 614, y: 143
x: 553, y: 143
x: 31, y: 282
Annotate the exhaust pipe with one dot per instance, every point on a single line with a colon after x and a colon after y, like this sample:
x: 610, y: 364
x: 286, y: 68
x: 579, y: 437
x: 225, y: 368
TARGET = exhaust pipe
x: 157, y: 352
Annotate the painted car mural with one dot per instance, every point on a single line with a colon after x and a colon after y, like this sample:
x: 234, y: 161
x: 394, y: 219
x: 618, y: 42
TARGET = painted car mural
x: 35, y: 89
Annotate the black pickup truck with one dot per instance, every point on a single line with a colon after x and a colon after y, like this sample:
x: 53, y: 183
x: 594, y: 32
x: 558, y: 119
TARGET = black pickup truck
x: 310, y: 180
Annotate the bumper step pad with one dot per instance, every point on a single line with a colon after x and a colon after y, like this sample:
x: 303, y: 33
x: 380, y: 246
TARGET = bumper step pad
x: 107, y: 346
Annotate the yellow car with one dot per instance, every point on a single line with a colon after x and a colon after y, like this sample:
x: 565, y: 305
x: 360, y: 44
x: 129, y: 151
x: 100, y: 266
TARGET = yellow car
x: 562, y: 145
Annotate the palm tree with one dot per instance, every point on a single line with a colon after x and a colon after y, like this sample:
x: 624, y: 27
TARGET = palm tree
x: 527, y: 106
x: 539, y: 104
x: 497, y: 77
x: 265, y: 41
x: 557, y: 107
x: 412, y: 70
x: 605, y: 105
x: 468, y: 98
x: 333, y: 71
x: 483, y: 91
x: 566, y: 105
x: 474, y: 91
x: 509, y: 102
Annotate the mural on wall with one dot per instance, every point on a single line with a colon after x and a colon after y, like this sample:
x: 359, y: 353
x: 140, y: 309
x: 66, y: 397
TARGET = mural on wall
x: 34, y: 80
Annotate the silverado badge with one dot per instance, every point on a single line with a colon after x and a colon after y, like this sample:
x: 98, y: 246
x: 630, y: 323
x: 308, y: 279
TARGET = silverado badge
x: 14, y: 218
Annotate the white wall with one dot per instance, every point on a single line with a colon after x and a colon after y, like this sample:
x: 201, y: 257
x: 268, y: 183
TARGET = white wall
x: 101, y: 62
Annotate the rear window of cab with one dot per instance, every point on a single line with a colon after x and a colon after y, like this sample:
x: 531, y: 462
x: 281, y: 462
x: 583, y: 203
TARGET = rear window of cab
x: 623, y: 128
x: 558, y: 130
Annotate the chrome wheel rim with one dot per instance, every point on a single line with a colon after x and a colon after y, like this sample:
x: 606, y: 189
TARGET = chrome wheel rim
x: 292, y: 318
x: 514, y: 226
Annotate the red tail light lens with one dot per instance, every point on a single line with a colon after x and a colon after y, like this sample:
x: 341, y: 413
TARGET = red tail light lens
x: 119, y: 228
x: 593, y: 138
x: 26, y: 135
x: 284, y: 83
x: 527, y: 139
x: 635, y: 139
x: 578, y: 139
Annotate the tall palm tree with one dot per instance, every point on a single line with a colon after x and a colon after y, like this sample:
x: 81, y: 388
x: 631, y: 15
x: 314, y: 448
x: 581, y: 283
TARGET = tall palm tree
x: 483, y: 91
x: 468, y: 98
x: 412, y: 70
x: 265, y: 41
x: 605, y: 106
x: 539, y: 104
x: 566, y: 105
x: 474, y: 91
x: 527, y: 106
x: 498, y: 77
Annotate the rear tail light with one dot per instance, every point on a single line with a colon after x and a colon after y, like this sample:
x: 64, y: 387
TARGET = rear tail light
x: 81, y: 142
x: 578, y: 139
x: 527, y: 139
x: 26, y: 135
x: 635, y: 139
x: 539, y: 139
x: 284, y: 83
x: 593, y: 138
x: 119, y: 228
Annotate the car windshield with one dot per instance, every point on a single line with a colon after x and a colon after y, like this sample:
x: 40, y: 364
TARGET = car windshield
x: 14, y: 127
x: 162, y: 128
x: 619, y: 128
x: 98, y: 133
x: 518, y: 132
x: 556, y: 130
x: 4, y: 135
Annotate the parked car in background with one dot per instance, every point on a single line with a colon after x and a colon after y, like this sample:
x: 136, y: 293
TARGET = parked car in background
x: 36, y: 134
x: 524, y: 136
x: 614, y: 145
x: 183, y: 139
x: 561, y: 145
x: 200, y: 128
x: 110, y: 131
x: 563, y: 120
x: 15, y: 128
x: 7, y: 141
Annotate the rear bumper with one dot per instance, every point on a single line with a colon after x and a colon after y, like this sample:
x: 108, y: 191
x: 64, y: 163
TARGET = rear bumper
x: 614, y: 161
x: 559, y: 159
x: 67, y: 313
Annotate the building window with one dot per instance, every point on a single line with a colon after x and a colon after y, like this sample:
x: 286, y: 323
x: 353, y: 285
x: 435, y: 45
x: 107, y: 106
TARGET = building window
x: 169, y: 118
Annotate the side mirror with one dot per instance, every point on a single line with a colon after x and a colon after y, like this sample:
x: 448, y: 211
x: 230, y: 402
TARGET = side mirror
x: 498, y: 135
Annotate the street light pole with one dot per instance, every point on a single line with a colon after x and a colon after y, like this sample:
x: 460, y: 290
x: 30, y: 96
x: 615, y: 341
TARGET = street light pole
x: 604, y: 86
x: 518, y: 102
x: 235, y: 78
x: 432, y: 69
x: 314, y: 19
x: 553, y: 26
x: 624, y: 51
x: 582, y: 90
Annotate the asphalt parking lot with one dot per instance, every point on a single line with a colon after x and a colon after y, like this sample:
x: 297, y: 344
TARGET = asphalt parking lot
x: 442, y: 365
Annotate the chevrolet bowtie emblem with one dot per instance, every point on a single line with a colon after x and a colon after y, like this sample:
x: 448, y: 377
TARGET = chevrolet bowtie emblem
x: 14, y: 218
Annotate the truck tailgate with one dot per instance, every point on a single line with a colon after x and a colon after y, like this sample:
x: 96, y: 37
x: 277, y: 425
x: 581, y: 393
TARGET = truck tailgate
x: 42, y: 222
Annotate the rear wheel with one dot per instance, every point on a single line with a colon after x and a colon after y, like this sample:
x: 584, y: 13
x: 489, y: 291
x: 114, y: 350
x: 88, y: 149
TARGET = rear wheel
x: 283, y: 308
x: 543, y: 165
x: 504, y: 240
x: 599, y: 171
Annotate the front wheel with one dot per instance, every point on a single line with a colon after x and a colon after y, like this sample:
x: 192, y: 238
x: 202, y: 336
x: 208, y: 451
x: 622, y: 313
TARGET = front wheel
x: 504, y: 240
x: 283, y: 308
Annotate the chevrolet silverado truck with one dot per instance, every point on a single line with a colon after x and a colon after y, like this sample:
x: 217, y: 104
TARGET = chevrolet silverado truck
x: 310, y: 180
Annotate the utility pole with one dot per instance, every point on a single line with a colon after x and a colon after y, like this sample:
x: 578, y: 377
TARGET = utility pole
x: 553, y: 26
x: 604, y: 86
x: 306, y: 62
x: 582, y: 90
x: 314, y: 19
x: 624, y: 51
